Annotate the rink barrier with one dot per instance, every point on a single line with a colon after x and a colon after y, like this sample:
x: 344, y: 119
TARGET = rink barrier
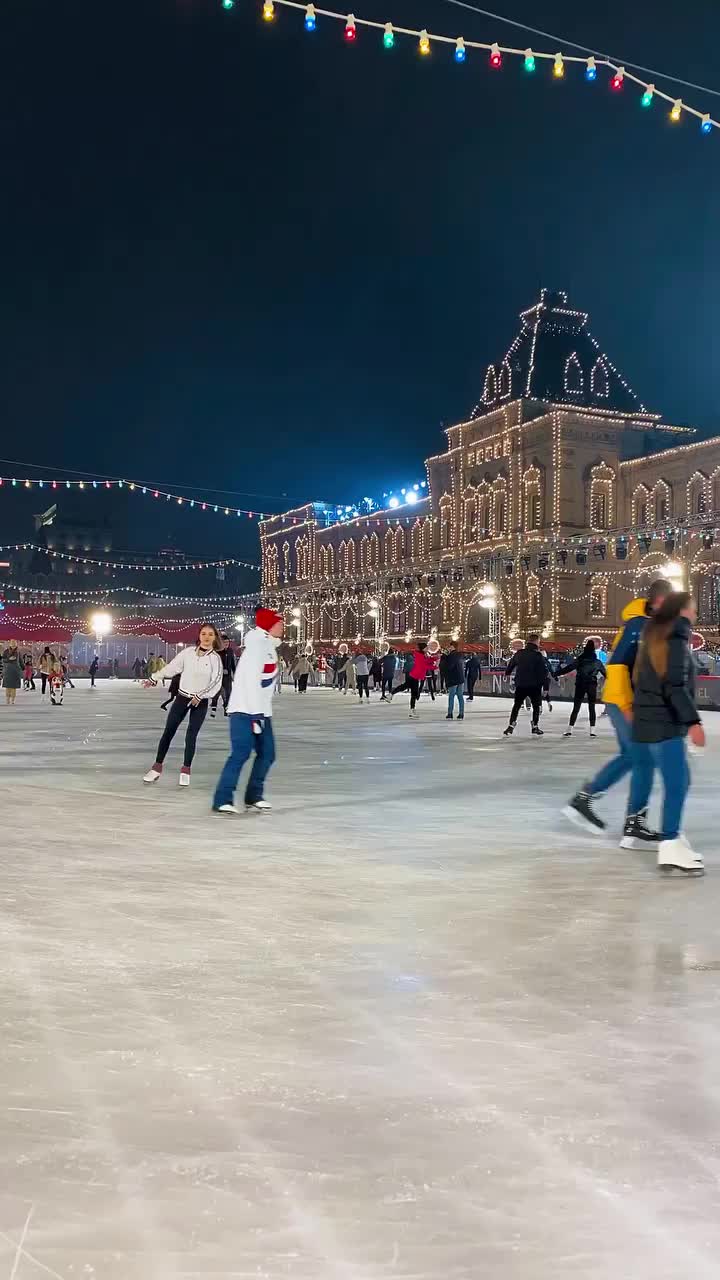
x: 493, y: 683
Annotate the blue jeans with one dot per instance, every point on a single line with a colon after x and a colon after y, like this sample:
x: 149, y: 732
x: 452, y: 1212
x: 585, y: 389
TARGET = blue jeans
x: 620, y: 764
x: 456, y: 691
x: 242, y: 742
x: 670, y: 757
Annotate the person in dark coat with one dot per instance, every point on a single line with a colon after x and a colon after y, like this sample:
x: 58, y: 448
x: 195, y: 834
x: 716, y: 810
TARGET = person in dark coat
x: 532, y: 675
x: 389, y: 663
x: 587, y: 668
x: 93, y: 670
x: 664, y: 715
x: 452, y: 666
x: 229, y: 661
x: 376, y: 671
x: 472, y: 673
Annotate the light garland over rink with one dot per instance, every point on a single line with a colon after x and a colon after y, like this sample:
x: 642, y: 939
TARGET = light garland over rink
x: 459, y: 46
x: 131, y: 486
x: 126, y: 564
x: 90, y: 593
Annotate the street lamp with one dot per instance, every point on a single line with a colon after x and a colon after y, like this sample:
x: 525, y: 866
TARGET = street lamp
x: 102, y: 625
x: 675, y: 574
x: 240, y: 626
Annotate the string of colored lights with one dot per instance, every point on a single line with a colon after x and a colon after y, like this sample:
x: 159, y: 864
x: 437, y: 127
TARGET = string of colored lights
x: 96, y: 593
x: 618, y: 73
x: 114, y: 564
x: 197, y: 504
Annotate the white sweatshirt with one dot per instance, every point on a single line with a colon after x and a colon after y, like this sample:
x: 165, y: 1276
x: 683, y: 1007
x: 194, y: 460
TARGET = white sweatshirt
x: 256, y: 674
x: 200, y: 673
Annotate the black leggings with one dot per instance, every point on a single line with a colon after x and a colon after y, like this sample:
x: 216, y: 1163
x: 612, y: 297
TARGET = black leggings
x: 363, y: 682
x: 535, y: 696
x: 223, y: 692
x: 578, y: 701
x: 302, y: 682
x: 387, y: 685
x: 176, y: 715
x: 414, y: 686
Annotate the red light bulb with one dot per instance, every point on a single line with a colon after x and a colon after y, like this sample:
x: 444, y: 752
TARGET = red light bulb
x: 617, y: 80
x: 495, y: 57
x: 350, y: 31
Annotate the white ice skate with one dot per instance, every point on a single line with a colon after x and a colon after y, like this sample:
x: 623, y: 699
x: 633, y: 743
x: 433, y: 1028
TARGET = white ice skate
x: 676, y: 857
x: 153, y: 774
x: 184, y: 779
x: 259, y: 806
x: 227, y: 809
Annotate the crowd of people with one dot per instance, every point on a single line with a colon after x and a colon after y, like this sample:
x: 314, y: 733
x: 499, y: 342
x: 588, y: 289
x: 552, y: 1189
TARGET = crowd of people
x: 647, y: 684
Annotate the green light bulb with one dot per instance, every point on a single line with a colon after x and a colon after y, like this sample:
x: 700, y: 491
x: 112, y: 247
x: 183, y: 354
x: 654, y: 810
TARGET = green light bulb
x: 228, y: 4
x: 529, y: 63
x: 646, y: 99
x: 389, y: 36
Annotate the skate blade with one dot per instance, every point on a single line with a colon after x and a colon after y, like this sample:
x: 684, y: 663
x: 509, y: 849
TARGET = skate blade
x: 672, y: 869
x: 578, y: 821
x: 631, y: 842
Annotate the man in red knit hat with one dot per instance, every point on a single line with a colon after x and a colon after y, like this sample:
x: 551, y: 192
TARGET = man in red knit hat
x: 250, y: 716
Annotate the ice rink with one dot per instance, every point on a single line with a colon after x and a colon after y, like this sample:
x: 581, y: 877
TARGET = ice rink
x: 411, y: 1025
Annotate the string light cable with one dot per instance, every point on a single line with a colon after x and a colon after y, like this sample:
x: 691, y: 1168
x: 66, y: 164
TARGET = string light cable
x: 133, y: 486
x: 115, y: 564
x: 460, y: 46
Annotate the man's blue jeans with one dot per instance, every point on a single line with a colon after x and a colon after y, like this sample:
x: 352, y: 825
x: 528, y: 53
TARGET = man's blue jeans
x: 670, y: 757
x: 243, y: 742
x: 456, y: 691
x: 620, y: 764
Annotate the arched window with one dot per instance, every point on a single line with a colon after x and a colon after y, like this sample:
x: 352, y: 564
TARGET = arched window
x: 330, y: 561
x: 533, y: 595
x: 447, y: 607
x: 445, y: 523
x: 286, y: 561
x: 416, y: 541
x: 390, y: 547
x: 599, y: 379
x: 602, y: 497
x: 397, y: 609
x: 342, y: 557
x: 640, y: 506
x: 469, y: 515
x: 350, y: 556
x: 504, y: 381
x: 697, y: 503
x: 364, y: 554
x: 715, y: 492
x: 399, y: 543
x: 422, y: 613
x: 483, y: 513
x: 599, y: 598
x: 533, y: 499
x: 374, y: 553
x: 490, y: 388
x: 500, y: 512
x: 302, y: 557
x: 573, y: 376
x: 322, y: 561
x: 661, y: 502
x: 271, y: 566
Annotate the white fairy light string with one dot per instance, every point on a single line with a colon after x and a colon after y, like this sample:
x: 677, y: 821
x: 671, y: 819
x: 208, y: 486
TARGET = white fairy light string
x: 127, y: 564
x: 460, y: 46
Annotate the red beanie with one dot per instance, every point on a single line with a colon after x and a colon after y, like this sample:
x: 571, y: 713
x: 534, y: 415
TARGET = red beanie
x: 266, y: 618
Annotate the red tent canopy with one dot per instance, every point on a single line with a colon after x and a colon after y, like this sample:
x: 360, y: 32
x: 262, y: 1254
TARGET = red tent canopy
x: 33, y: 624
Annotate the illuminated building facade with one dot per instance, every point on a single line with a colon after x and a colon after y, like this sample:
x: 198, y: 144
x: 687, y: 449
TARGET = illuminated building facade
x: 560, y: 488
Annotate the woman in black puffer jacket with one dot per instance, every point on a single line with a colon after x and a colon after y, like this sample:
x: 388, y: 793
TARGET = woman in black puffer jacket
x: 664, y: 715
x: 587, y: 668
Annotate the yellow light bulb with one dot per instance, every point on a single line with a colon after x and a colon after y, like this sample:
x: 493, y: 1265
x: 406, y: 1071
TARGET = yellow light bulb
x: 424, y: 42
x: 558, y: 66
x: 268, y: 10
x: 676, y: 110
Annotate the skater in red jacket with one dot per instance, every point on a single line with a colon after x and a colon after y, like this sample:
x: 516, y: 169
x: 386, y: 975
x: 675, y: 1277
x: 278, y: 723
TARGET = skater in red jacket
x: 422, y: 665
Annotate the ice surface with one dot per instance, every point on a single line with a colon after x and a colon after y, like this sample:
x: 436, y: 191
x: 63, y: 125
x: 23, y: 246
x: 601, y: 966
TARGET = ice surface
x: 408, y: 1026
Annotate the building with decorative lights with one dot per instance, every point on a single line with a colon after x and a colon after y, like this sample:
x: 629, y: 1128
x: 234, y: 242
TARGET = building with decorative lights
x: 561, y: 489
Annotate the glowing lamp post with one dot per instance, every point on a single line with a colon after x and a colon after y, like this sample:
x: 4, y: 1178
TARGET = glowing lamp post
x: 102, y: 625
x: 489, y: 600
x: 240, y: 626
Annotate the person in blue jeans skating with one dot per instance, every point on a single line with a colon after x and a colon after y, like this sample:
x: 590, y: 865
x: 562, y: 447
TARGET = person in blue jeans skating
x: 618, y: 698
x: 250, y: 716
x: 664, y: 715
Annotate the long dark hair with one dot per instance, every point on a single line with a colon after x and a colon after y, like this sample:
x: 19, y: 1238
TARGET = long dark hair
x: 216, y: 642
x: 589, y: 650
x: 656, y: 632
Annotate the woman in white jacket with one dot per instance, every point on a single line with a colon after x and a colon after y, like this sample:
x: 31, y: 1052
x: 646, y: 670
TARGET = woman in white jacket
x: 200, y: 670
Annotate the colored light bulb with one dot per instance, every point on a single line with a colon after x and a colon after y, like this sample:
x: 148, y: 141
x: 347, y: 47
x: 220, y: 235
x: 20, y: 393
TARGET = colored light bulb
x: 388, y: 36
x: 310, y: 18
x: 558, y: 67
x: 424, y: 43
x: 617, y: 80
x: 268, y: 10
x: 350, y: 29
x: 529, y: 60
x: 706, y: 124
x: 495, y: 57
x: 228, y: 4
x: 646, y: 100
x: 676, y: 110
x: 591, y: 70
x: 459, y: 49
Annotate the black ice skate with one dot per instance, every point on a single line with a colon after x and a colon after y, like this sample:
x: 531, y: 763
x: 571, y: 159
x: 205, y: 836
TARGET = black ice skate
x: 580, y: 811
x: 637, y: 834
x: 537, y: 731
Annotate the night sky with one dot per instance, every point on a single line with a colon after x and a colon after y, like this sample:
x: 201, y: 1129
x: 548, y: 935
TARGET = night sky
x: 244, y: 257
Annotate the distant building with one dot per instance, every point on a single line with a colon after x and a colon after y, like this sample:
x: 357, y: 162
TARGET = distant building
x: 69, y: 539
x: 560, y: 488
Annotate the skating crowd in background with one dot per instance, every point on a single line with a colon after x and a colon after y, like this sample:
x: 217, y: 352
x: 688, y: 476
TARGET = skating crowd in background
x: 647, y: 684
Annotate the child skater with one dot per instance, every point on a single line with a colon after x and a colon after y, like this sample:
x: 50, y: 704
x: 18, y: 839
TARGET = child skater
x: 200, y: 671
